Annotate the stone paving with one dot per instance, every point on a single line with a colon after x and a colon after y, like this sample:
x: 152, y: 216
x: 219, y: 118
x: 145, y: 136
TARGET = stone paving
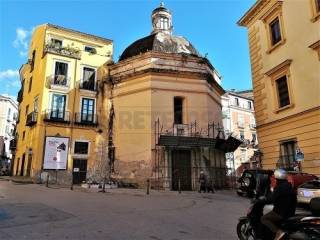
x: 31, y: 211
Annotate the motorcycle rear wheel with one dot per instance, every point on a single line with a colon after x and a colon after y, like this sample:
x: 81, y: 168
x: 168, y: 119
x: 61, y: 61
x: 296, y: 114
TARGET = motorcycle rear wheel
x: 244, y: 230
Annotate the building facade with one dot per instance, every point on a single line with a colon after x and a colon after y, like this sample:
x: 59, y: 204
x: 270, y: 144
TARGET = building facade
x: 285, y: 63
x: 59, y: 104
x: 154, y: 115
x: 167, y: 101
x: 8, y: 117
x: 239, y: 120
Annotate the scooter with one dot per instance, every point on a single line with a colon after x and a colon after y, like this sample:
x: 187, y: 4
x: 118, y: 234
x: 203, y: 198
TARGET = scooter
x: 302, y: 226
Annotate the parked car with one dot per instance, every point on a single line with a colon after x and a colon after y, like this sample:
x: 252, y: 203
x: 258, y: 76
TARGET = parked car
x: 296, y: 179
x: 246, y: 184
x: 308, y: 190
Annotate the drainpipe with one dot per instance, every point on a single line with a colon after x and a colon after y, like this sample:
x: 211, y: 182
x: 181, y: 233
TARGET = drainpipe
x: 73, y: 115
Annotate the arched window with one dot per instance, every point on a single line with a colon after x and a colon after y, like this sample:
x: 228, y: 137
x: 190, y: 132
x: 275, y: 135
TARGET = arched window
x: 164, y: 23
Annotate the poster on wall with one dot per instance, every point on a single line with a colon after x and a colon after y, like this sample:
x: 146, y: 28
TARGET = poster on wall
x: 56, y: 153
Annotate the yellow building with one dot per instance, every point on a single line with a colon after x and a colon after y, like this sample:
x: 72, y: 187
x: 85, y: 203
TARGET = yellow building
x: 59, y: 103
x: 284, y: 41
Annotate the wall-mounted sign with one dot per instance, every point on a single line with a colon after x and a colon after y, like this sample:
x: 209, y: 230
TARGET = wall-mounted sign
x: 56, y: 153
x: 299, y: 155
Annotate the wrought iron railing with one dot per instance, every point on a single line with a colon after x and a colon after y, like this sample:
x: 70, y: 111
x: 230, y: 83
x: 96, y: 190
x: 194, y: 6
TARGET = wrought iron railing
x: 58, y: 81
x: 88, y: 85
x: 56, y: 116
x: 86, y: 119
x: 31, y: 119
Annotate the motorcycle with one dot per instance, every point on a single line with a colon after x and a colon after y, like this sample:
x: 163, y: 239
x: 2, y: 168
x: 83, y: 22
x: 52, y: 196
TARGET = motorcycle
x: 302, y: 226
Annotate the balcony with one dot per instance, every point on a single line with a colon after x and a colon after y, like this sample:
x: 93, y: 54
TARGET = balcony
x: 31, y: 119
x: 86, y: 119
x: 88, y: 85
x: 57, y: 116
x: 62, y: 51
x: 58, y: 82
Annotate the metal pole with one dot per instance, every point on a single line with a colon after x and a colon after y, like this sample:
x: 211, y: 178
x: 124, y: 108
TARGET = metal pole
x: 179, y: 185
x: 47, y: 182
x: 148, y: 186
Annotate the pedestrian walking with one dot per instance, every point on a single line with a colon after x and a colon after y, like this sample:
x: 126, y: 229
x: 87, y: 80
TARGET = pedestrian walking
x: 202, y: 182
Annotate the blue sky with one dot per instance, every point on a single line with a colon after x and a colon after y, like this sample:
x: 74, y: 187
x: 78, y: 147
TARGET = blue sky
x: 209, y: 24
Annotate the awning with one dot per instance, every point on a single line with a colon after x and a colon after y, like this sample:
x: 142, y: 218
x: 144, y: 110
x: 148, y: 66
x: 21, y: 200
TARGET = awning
x: 226, y: 145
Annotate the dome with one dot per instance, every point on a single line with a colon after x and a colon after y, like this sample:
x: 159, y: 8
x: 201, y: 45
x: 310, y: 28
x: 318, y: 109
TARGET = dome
x: 160, y: 42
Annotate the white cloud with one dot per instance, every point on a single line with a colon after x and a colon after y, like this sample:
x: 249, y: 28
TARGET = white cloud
x: 21, y: 41
x: 21, y: 38
x: 9, y: 73
x: 15, y: 84
x: 23, y: 53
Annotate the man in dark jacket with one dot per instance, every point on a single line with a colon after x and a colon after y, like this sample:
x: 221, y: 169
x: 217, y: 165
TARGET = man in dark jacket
x: 284, y: 201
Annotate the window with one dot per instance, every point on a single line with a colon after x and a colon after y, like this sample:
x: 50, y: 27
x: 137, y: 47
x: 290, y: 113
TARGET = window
x: 315, y: 10
x: 274, y: 26
x: 178, y: 110
x: 61, y: 73
x: 81, y: 147
x: 15, y: 116
x: 283, y: 93
x: 32, y: 60
x: 243, y: 155
x: 287, y: 153
x: 275, y: 31
x: 249, y: 105
x: 87, y: 110
x: 236, y: 101
x: 23, y: 135
x: 164, y: 23
x: 240, y: 120
x: 58, y: 106
x: 242, y: 135
x: 7, y: 129
x: 30, y: 85
x: 254, y: 138
x: 90, y: 49
x: 9, y: 114
x: 27, y: 109
x: 35, y: 105
x: 56, y: 43
x: 89, y: 77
